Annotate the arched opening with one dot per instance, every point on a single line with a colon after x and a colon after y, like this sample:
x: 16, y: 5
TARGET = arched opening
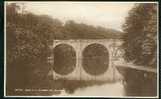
x: 95, y: 59
x: 64, y: 59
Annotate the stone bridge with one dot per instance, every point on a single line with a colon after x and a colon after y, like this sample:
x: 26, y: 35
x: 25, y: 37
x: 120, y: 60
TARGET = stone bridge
x: 90, y: 59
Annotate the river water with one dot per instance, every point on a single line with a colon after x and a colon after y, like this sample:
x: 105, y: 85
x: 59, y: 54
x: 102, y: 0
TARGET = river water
x: 113, y: 89
x: 135, y: 84
x: 108, y: 89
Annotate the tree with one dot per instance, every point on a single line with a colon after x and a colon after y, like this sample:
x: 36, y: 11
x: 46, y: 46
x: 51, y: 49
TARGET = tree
x: 28, y: 37
x: 140, y: 38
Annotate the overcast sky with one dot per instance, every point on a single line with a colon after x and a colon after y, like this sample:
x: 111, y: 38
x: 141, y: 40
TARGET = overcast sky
x: 110, y: 15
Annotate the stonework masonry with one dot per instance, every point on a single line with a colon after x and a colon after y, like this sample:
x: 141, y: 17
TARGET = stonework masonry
x: 112, y: 45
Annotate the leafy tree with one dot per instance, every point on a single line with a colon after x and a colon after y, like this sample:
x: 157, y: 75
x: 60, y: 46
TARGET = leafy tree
x: 140, y: 36
x: 28, y: 37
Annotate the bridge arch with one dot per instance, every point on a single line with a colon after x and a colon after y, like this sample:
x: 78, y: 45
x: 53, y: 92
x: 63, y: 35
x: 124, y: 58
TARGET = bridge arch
x: 95, y: 59
x: 64, y: 59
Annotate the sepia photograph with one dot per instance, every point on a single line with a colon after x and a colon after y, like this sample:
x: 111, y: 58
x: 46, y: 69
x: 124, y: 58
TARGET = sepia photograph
x: 81, y: 49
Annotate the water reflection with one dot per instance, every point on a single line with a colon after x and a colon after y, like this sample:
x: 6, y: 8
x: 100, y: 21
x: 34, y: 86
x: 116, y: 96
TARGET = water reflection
x: 108, y: 89
x: 134, y: 83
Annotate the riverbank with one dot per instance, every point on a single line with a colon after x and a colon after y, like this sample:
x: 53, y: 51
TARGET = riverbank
x: 139, y: 83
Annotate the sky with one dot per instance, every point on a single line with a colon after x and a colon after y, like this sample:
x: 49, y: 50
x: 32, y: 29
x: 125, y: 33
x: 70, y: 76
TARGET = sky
x: 105, y: 14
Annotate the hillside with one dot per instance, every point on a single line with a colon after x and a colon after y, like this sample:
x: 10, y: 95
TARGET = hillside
x: 73, y: 30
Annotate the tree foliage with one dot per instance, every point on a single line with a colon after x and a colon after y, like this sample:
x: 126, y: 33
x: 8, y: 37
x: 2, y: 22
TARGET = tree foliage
x: 140, y: 38
x: 27, y: 37
x: 73, y: 30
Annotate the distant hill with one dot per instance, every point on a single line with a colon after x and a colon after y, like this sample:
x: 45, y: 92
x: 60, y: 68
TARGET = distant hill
x: 72, y: 30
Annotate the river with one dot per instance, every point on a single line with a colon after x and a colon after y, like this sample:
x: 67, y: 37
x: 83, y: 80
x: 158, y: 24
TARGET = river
x: 107, y: 89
